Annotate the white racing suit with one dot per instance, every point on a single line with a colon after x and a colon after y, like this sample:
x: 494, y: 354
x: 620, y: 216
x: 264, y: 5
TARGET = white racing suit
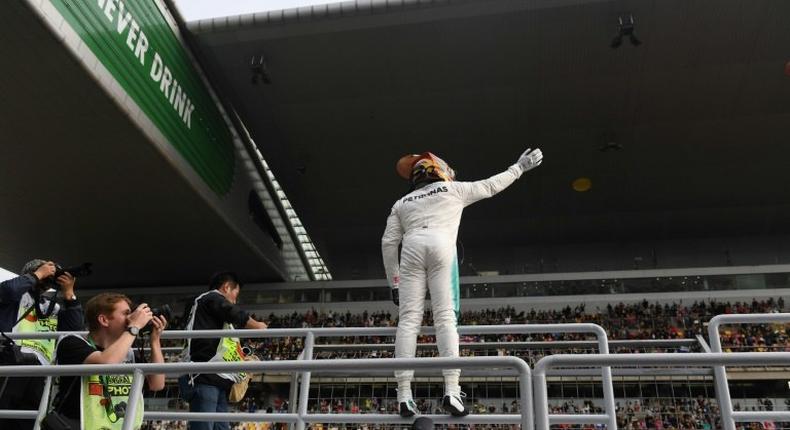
x: 426, y: 221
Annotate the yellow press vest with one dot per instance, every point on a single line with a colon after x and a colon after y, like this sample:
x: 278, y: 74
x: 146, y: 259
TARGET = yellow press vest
x: 34, y: 323
x: 228, y: 348
x: 99, y: 396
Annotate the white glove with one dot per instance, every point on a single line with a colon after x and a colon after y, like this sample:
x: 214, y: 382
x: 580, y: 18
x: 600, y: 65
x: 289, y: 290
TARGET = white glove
x: 530, y: 159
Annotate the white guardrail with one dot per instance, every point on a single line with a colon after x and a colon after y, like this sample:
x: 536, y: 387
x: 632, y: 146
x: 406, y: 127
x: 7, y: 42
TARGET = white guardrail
x: 532, y: 385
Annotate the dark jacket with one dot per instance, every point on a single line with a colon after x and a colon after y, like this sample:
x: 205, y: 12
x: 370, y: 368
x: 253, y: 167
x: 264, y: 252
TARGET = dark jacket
x: 212, y: 312
x: 70, y: 317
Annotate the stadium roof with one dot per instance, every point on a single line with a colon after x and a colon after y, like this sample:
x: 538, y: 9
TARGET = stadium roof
x: 80, y: 181
x: 684, y: 136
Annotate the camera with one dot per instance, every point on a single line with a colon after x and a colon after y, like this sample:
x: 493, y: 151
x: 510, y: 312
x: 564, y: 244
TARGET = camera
x: 120, y: 410
x: 10, y: 352
x: 164, y: 311
x: 84, y: 269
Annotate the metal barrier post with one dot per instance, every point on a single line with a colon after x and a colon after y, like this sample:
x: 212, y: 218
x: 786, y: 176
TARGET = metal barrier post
x: 606, y: 381
x: 293, y: 392
x: 525, y: 386
x: 721, y: 385
x: 541, y: 397
x: 135, y: 398
x: 42, y: 407
x: 304, y: 393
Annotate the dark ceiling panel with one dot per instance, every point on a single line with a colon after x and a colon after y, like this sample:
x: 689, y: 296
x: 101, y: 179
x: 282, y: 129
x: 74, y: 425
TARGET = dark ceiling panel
x: 700, y: 109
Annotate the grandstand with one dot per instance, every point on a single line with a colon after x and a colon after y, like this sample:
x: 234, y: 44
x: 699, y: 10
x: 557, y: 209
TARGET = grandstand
x: 656, y: 298
x: 634, y: 325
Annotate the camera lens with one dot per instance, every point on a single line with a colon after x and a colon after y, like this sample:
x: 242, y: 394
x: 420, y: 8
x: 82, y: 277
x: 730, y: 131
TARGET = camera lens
x: 120, y: 409
x: 163, y: 311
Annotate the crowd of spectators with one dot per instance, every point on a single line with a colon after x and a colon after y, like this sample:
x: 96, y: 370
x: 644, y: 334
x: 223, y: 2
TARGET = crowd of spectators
x: 621, y: 321
x: 634, y: 321
x: 632, y: 414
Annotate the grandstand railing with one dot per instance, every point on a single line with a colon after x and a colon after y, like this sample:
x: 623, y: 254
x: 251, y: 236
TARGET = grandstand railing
x: 543, y: 420
x: 311, y: 334
x: 598, y: 331
x: 139, y: 370
x: 529, y: 344
x: 645, y: 344
x: 540, y: 405
x: 728, y: 415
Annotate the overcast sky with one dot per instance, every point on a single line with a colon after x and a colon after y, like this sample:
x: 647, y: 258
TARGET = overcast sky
x: 5, y: 274
x: 193, y: 10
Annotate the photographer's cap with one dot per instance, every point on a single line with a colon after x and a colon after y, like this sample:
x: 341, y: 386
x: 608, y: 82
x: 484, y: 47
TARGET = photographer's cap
x: 32, y: 265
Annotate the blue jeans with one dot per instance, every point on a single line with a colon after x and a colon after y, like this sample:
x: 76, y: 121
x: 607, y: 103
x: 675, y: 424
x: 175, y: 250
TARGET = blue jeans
x: 208, y: 398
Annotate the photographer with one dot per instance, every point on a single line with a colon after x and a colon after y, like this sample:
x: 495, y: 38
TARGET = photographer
x: 213, y: 310
x: 99, y: 401
x: 28, y: 305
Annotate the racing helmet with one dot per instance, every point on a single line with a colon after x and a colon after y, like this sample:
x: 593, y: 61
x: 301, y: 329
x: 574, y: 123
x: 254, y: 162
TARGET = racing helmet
x: 425, y: 167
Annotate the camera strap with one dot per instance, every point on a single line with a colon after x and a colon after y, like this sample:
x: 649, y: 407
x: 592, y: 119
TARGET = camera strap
x: 37, y: 304
x: 58, y: 402
x: 114, y: 411
x: 28, y: 311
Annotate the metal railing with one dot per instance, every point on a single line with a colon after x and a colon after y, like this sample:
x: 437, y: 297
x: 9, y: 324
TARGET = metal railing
x: 139, y: 370
x: 513, y: 348
x: 311, y: 334
x: 532, y: 387
x: 543, y: 420
x: 728, y: 415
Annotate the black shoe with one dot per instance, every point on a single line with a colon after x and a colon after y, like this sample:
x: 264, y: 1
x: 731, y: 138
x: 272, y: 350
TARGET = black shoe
x: 454, y: 405
x: 408, y: 409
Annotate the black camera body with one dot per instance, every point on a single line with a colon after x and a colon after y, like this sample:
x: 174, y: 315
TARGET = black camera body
x: 164, y: 311
x: 10, y: 353
x: 120, y: 410
x: 84, y: 269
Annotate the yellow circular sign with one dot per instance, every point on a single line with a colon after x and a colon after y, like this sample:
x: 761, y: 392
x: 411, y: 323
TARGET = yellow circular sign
x: 581, y: 184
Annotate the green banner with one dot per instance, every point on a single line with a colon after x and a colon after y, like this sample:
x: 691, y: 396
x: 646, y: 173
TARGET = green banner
x: 137, y: 45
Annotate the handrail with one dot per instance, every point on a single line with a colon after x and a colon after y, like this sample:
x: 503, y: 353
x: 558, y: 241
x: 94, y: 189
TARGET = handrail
x: 140, y: 369
x: 312, y: 333
x: 532, y: 344
x: 538, y: 408
x: 543, y: 420
x: 348, y: 331
x: 719, y: 372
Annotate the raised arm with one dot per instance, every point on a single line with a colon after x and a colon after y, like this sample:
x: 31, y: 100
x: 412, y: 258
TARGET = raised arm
x: 471, y: 192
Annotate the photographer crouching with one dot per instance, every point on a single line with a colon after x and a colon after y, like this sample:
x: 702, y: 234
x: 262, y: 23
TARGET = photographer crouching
x: 99, y: 401
x: 29, y: 304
